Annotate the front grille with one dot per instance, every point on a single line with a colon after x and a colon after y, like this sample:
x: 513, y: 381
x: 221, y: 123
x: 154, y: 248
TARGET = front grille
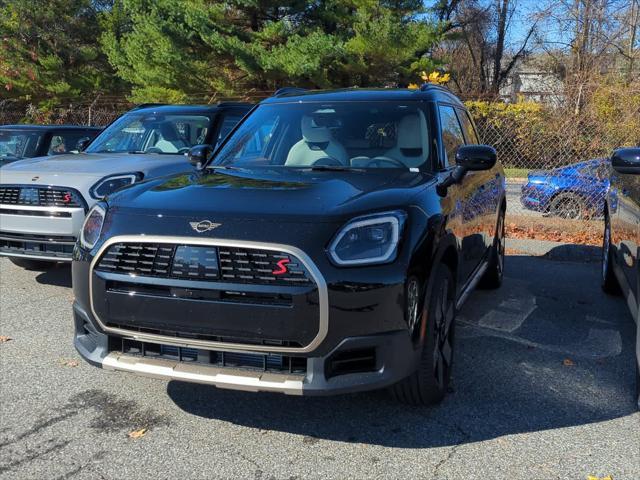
x: 240, y: 265
x: 210, y: 263
x: 247, y: 361
x: 40, y: 196
x: 37, y: 245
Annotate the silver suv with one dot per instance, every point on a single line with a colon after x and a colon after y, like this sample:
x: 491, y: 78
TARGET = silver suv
x: 43, y: 201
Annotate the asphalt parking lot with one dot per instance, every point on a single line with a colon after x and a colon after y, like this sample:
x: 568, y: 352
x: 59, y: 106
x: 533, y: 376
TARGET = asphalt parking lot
x: 543, y: 389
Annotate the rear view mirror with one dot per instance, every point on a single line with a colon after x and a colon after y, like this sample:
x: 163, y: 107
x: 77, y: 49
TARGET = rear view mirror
x: 626, y: 160
x: 474, y: 158
x: 83, y: 143
x: 199, y: 154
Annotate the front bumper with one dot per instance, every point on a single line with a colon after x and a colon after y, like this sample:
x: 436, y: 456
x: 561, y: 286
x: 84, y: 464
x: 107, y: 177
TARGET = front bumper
x: 43, y: 233
x: 372, y: 362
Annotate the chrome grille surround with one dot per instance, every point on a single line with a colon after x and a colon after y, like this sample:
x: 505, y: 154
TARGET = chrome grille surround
x: 314, y: 273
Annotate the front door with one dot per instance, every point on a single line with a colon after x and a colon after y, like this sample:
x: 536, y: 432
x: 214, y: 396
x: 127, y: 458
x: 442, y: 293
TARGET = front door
x: 467, y: 211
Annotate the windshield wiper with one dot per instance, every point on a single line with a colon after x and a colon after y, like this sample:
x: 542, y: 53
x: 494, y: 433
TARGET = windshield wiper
x: 335, y: 168
x: 221, y: 167
x: 136, y: 151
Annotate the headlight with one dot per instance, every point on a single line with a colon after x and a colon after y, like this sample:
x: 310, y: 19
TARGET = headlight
x: 112, y: 183
x: 368, y: 240
x: 92, y: 226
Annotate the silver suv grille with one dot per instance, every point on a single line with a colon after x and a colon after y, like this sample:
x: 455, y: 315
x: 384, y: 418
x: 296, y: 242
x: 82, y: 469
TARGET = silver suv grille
x: 40, y: 196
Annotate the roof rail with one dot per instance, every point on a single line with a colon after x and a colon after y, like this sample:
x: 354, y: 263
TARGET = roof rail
x: 286, y: 90
x: 432, y: 86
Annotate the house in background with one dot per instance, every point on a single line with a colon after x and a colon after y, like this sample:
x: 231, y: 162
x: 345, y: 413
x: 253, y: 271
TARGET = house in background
x: 531, y: 81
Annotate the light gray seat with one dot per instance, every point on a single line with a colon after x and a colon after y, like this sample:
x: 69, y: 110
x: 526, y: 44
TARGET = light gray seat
x: 412, y: 146
x: 317, y: 142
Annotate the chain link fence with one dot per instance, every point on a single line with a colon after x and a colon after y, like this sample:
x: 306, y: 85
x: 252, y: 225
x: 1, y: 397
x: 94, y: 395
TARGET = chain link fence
x: 557, y: 168
x: 556, y: 161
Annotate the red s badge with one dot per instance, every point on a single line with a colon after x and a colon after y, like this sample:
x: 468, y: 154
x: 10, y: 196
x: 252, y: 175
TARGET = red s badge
x: 66, y: 198
x: 283, y: 267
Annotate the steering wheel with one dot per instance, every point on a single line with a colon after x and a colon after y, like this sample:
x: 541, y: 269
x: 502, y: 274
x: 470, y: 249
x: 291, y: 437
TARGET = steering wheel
x: 328, y: 161
x: 184, y: 150
x: 153, y: 150
x: 382, y: 162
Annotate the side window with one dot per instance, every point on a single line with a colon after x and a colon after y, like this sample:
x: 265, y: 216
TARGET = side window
x: 469, y: 132
x: 60, y: 144
x: 452, y: 136
x: 229, y: 120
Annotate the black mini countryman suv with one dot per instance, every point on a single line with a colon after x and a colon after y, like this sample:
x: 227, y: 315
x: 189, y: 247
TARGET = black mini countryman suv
x: 324, y: 248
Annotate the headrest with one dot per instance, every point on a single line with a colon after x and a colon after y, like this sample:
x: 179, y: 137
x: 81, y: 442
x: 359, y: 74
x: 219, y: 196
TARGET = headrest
x: 168, y: 131
x: 313, y: 133
x: 410, y: 132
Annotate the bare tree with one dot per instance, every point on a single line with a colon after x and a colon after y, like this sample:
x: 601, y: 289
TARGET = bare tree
x: 478, y: 50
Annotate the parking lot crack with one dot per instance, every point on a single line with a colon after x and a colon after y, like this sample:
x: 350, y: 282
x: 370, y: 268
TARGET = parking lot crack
x: 452, y: 451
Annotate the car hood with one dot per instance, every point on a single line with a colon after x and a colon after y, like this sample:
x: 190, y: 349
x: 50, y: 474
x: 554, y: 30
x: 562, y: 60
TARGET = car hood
x: 88, y: 164
x: 282, y: 194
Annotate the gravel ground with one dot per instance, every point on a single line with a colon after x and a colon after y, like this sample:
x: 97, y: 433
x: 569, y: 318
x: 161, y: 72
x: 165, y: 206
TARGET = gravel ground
x: 543, y: 389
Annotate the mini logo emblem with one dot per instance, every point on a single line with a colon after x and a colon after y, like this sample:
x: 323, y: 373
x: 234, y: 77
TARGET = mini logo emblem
x: 204, y: 226
x: 282, y: 267
x: 35, y: 179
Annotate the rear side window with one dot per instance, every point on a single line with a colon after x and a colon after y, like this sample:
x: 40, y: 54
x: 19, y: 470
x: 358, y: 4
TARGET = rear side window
x: 469, y: 132
x: 452, y: 136
x: 65, y: 142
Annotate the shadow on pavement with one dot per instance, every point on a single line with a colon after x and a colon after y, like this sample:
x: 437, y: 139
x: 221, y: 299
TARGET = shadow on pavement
x: 548, y: 350
x: 575, y: 253
x: 58, y: 275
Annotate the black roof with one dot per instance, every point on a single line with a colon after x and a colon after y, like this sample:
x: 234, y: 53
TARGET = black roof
x: 187, y: 109
x: 426, y: 93
x: 48, y: 127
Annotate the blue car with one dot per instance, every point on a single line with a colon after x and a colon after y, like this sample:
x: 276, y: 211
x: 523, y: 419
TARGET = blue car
x: 575, y: 191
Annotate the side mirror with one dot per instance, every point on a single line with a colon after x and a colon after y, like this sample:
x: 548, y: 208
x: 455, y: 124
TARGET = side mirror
x: 83, y: 143
x: 626, y: 160
x: 199, y: 154
x: 469, y: 158
x: 475, y: 158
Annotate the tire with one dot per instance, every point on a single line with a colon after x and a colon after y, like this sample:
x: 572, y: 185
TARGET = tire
x: 568, y: 206
x: 28, y: 264
x: 609, y: 281
x: 428, y: 384
x: 494, y: 275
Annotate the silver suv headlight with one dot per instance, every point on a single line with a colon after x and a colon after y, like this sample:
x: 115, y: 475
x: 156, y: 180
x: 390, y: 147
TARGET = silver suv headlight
x: 368, y: 240
x: 92, y: 226
x: 106, y: 186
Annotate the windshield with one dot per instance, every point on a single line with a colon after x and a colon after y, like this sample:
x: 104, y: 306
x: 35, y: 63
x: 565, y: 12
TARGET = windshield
x: 337, y: 135
x: 19, y: 144
x: 153, y: 133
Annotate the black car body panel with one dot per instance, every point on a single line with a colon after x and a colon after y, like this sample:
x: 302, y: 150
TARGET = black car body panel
x: 622, y: 219
x: 346, y: 324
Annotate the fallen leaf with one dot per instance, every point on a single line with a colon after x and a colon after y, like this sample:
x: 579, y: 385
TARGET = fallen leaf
x: 4, y: 338
x: 567, y: 362
x: 593, y: 477
x: 135, y: 434
x: 70, y: 363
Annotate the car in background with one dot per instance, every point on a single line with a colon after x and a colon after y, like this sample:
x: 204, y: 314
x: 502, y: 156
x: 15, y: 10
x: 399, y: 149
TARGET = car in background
x: 43, y: 201
x: 621, y: 246
x: 324, y: 249
x: 28, y: 141
x: 573, y: 192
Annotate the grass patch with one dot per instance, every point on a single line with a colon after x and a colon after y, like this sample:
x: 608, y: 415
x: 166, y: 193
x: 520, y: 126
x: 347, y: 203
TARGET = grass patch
x: 516, y: 172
